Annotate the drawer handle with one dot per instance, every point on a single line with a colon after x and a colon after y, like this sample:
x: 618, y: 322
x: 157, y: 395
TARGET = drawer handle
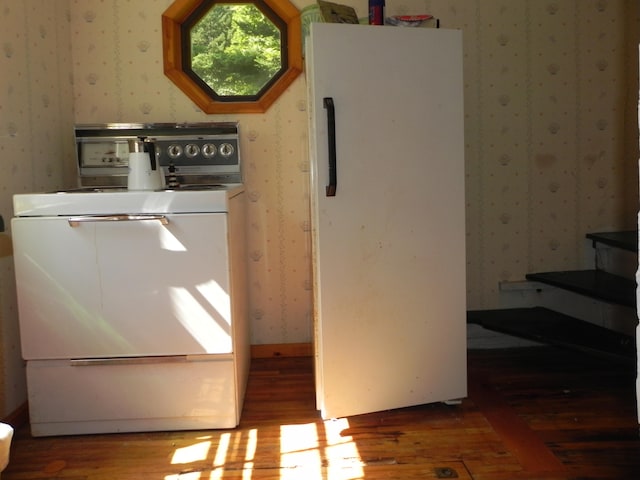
x: 92, y: 362
x: 76, y: 221
x: 150, y: 360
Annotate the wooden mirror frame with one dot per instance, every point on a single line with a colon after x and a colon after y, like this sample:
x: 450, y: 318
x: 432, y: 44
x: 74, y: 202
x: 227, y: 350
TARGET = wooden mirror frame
x: 180, y: 10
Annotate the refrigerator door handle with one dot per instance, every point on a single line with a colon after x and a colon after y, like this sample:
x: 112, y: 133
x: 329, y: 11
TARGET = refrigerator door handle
x: 331, y: 136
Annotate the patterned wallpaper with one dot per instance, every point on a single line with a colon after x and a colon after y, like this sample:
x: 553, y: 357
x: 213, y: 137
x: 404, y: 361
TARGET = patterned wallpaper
x: 547, y: 155
x: 36, y: 102
x: 36, y: 150
x: 550, y: 95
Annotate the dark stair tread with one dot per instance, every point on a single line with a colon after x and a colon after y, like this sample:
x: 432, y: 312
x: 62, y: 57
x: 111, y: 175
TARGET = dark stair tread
x: 550, y: 327
x: 592, y: 283
x: 626, y: 240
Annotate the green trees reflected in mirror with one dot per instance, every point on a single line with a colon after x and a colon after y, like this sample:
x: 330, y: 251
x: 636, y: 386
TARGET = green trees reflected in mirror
x: 235, y: 49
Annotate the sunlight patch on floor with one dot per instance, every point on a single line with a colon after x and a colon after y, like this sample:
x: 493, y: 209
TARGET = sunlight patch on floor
x: 304, y: 454
x: 250, y: 454
x: 192, y: 453
x: 313, y: 451
x: 221, y: 456
x: 299, y: 454
x: 341, y: 452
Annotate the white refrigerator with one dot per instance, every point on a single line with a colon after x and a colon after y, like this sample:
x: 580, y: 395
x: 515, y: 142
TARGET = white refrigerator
x: 388, y: 216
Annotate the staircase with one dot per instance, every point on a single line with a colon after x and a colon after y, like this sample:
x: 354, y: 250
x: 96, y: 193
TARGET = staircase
x: 607, y: 282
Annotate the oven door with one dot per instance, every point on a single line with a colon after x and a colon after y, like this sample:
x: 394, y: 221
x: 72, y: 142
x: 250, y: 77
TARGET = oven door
x: 92, y: 287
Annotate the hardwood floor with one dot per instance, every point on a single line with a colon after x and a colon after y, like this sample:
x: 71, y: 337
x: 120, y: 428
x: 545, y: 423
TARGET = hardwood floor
x: 534, y: 413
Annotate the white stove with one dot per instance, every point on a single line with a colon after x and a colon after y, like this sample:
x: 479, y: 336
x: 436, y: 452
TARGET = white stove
x: 204, y: 159
x: 133, y: 304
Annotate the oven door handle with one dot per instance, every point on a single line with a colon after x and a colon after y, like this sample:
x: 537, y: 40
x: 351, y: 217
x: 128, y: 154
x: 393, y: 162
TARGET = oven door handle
x: 76, y: 221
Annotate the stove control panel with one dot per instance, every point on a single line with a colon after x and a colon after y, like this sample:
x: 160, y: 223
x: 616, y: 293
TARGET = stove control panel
x: 197, y: 151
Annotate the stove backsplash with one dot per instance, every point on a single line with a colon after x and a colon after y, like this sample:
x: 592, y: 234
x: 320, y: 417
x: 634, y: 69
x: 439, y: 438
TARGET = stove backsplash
x: 198, y: 153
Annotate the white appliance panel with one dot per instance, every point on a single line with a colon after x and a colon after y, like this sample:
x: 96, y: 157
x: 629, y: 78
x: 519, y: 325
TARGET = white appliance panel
x: 124, y: 288
x: 69, y: 399
x: 389, y: 248
x: 107, y: 201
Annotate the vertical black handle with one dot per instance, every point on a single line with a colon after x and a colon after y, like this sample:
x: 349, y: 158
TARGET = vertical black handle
x: 152, y: 155
x: 150, y: 147
x: 331, y: 136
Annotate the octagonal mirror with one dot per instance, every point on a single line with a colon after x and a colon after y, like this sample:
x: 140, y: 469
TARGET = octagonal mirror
x: 232, y: 56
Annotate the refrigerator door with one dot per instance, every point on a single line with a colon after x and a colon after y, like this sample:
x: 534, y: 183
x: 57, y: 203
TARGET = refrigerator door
x: 389, y: 247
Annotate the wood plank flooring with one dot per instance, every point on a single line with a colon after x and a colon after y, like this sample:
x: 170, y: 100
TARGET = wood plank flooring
x: 535, y: 413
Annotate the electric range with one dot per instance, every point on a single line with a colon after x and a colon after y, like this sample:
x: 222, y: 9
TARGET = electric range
x: 133, y: 304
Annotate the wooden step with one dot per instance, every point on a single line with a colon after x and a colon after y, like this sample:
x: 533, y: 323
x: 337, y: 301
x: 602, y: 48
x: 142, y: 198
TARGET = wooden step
x: 596, y: 284
x: 553, y: 328
x: 626, y: 240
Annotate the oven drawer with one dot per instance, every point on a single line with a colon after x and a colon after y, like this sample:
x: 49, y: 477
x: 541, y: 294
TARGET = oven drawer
x: 135, y: 394
x: 121, y: 288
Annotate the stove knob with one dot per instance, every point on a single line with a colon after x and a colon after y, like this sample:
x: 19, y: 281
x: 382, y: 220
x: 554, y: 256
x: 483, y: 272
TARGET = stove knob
x: 174, y: 151
x: 226, y: 149
x: 209, y: 150
x: 191, y: 150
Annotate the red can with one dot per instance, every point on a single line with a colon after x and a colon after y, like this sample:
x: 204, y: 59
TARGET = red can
x: 376, y: 12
